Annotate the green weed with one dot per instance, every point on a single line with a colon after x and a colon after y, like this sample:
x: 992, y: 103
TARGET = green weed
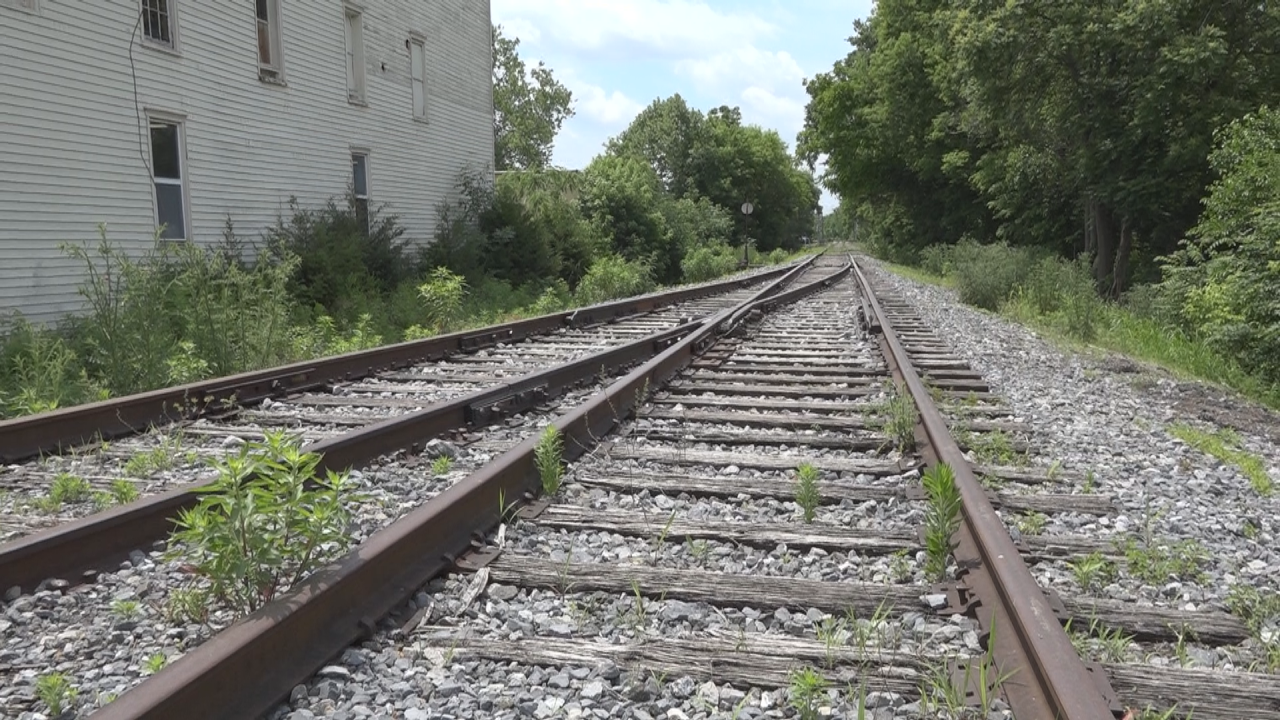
x: 941, y: 518
x: 154, y: 664
x: 441, y: 465
x: 1155, y: 562
x: 548, y: 455
x: 807, y: 690
x: 1092, y: 571
x: 808, y: 496
x: 123, y: 492
x: 1227, y: 447
x: 258, y: 526
x: 68, y: 488
x: 56, y: 692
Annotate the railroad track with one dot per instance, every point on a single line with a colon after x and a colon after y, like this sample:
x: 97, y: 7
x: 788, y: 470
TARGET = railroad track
x: 392, y: 485
x: 684, y: 570
x: 335, y: 404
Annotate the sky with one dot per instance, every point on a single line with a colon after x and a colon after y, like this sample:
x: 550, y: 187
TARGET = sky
x: 618, y: 56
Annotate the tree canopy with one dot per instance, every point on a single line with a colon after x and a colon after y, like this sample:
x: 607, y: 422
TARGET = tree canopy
x: 529, y: 106
x: 717, y: 158
x: 1083, y: 126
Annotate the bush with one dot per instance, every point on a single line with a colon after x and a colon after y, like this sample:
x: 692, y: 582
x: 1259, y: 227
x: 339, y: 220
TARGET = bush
x: 552, y: 300
x: 708, y: 262
x: 987, y: 275
x: 612, y: 277
x: 1227, y: 273
x: 235, y: 317
x: 40, y: 371
x: 936, y: 259
x: 258, y: 528
x: 337, y: 255
x: 442, y: 296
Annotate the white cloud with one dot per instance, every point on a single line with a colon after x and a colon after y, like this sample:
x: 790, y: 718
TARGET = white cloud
x: 746, y: 64
x: 770, y: 109
x: 669, y: 28
x: 606, y: 108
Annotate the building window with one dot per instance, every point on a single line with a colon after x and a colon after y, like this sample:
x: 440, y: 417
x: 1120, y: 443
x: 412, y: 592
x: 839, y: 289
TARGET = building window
x: 418, y: 77
x: 157, y: 21
x: 355, y: 56
x: 269, y: 65
x: 360, y: 187
x: 167, y: 175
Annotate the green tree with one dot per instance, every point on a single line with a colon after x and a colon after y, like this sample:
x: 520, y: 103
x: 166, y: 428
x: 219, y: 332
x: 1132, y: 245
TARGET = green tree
x: 1227, y: 271
x: 622, y: 200
x: 716, y: 157
x: 529, y: 106
x: 1081, y: 127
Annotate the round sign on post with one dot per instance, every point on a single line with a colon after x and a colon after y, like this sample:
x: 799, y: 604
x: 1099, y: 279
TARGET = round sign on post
x: 747, y: 208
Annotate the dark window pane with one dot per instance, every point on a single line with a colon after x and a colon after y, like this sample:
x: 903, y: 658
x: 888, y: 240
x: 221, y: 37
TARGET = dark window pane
x: 164, y: 152
x: 169, y: 204
x: 155, y: 20
x: 358, y: 178
x: 262, y: 10
x: 264, y: 43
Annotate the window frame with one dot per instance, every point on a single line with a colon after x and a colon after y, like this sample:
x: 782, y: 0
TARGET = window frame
x: 178, y: 120
x: 31, y: 7
x: 356, y: 60
x: 420, y: 40
x: 172, y: 12
x: 272, y: 72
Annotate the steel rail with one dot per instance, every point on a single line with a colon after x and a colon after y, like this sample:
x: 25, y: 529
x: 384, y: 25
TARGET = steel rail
x: 1050, y: 681
x: 25, y: 437
x: 78, y: 548
x: 247, y: 668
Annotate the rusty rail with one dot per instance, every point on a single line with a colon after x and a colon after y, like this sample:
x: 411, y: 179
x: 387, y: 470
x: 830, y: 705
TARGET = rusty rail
x: 250, y: 666
x: 1050, y: 681
x: 25, y: 437
x: 78, y: 548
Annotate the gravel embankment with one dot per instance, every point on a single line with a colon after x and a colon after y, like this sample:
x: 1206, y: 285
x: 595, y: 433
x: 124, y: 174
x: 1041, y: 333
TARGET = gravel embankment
x: 1103, y: 416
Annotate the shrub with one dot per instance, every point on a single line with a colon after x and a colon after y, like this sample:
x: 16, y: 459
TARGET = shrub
x: 612, y: 277
x: 259, y: 528
x: 986, y: 275
x: 554, y: 299
x: 338, y: 255
x: 234, y: 317
x: 40, y: 371
x: 936, y: 259
x: 708, y: 262
x: 442, y: 295
x: 1229, y: 268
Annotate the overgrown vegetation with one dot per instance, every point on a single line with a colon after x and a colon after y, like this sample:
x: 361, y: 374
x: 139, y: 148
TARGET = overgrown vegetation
x: 338, y: 278
x: 264, y: 523
x: 1071, y: 152
x: 1057, y: 297
x: 1226, y: 446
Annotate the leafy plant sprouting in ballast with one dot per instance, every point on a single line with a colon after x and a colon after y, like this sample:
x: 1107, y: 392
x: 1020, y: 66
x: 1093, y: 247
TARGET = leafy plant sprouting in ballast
x: 548, y: 456
x: 259, y: 528
x: 808, y: 496
x: 941, y: 518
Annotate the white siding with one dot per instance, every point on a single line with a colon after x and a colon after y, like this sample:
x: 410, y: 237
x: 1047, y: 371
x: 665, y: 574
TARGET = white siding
x: 73, y: 135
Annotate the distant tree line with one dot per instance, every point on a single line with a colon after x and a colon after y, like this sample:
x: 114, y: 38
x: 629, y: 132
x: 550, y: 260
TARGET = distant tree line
x: 1133, y: 134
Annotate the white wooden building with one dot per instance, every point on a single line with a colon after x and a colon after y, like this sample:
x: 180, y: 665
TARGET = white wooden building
x: 142, y: 113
